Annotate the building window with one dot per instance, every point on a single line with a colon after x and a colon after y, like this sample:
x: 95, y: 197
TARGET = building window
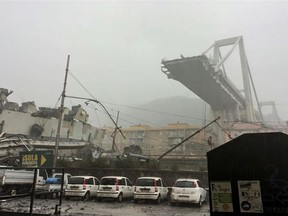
x: 141, y: 134
x: 172, y: 141
x: 135, y: 141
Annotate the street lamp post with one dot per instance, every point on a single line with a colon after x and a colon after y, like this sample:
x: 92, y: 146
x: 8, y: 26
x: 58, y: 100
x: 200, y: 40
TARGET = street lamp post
x: 98, y: 102
x: 61, y: 113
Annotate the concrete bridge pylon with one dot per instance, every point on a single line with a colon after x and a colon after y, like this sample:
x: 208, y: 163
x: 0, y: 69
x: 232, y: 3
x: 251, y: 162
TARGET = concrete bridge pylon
x: 207, y: 78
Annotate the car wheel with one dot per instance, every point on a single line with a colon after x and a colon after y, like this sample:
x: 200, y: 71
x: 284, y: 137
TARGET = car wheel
x: 171, y: 203
x: 67, y: 197
x: 120, y: 198
x: 86, y: 196
x: 13, y: 192
x: 200, y: 202
x: 54, y: 195
x: 135, y: 201
x: 206, y: 198
x: 158, y: 200
x: 99, y: 199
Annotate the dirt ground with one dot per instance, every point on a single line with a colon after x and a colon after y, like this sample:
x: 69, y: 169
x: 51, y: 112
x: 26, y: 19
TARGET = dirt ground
x: 104, y: 208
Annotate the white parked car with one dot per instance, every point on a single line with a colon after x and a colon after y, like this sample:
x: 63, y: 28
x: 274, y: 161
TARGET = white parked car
x: 150, y: 188
x: 188, y: 191
x: 115, y: 187
x: 82, y: 186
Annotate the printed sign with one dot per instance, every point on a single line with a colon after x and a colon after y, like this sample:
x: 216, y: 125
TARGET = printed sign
x: 250, y: 196
x: 221, y: 197
x: 36, y: 158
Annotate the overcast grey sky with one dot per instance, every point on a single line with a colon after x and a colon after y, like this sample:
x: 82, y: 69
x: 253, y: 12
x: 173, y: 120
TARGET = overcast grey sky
x: 116, y: 47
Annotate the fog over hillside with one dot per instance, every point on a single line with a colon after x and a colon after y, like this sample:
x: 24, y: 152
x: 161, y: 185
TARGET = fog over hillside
x: 162, y: 112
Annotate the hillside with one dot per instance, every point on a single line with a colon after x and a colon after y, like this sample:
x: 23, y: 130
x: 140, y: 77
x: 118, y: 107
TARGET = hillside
x: 163, y: 111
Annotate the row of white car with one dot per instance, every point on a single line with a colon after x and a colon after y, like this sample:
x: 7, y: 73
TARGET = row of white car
x: 146, y: 188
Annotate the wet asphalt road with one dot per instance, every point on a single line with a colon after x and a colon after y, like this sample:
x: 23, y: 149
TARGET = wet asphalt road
x: 106, y: 207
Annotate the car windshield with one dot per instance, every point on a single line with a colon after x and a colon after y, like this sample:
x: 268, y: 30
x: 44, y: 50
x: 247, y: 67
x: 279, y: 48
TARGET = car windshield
x: 185, y: 184
x: 145, y: 182
x: 108, y: 181
x: 76, y: 180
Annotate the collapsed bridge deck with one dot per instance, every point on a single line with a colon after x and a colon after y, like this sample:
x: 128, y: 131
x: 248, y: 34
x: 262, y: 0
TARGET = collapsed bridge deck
x: 199, y: 75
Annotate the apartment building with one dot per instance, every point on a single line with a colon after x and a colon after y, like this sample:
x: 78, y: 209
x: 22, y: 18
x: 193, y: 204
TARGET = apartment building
x: 154, y: 141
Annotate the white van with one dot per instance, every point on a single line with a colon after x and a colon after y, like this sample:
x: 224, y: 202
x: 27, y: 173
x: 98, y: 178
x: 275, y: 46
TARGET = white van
x: 82, y: 186
x: 115, y: 187
x: 150, y: 188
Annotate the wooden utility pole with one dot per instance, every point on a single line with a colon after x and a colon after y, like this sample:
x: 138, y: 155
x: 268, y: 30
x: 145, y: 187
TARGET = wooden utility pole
x: 114, y: 133
x: 61, y: 113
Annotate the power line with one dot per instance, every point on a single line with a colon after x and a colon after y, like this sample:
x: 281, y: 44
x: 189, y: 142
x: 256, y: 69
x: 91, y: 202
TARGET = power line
x: 154, y: 111
x: 94, y: 100
x: 148, y: 110
x: 132, y: 107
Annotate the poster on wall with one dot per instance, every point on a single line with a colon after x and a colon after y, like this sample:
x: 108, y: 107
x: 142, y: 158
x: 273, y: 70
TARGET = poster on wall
x: 221, y: 197
x: 250, y: 196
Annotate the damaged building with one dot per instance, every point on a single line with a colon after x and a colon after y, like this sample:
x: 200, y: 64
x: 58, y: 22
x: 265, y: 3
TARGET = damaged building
x: 25, y: 128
